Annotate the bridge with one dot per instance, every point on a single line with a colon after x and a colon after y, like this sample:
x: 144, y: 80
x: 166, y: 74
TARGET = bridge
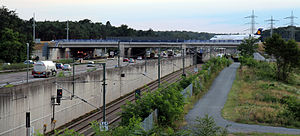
x: 128, y: 48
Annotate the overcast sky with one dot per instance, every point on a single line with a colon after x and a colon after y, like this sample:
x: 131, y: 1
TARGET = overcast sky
x: 221, y: 16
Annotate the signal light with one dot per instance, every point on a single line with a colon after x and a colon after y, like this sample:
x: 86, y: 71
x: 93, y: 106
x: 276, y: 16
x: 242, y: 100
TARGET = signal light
x: 59, y: 95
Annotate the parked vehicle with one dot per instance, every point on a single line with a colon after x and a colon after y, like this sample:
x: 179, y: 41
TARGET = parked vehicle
x: 59, y: 65
x: 131, y: 60
x: 139, y: 58
x: 29, y: 62
x: 66, y: 67
x: 44, y: 69
x: 91, y: 64
x: 125, y: 60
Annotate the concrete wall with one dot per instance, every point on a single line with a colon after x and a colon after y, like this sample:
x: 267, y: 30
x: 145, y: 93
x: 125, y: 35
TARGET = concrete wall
x: 36, y: 97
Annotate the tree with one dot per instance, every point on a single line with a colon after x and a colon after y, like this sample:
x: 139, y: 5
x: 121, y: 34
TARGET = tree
x: 12, y: 48
x: 287, y: 55
x: 248, y: 47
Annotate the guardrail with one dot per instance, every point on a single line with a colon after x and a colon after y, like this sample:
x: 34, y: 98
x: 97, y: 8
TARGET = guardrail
x: 170, y: 41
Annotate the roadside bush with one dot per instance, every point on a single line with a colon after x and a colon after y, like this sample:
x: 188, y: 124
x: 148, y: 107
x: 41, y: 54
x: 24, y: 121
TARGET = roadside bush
x: 15, y: 66
x: 65, y: 61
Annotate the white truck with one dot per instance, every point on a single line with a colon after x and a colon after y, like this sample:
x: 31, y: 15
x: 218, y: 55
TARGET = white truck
x: 44, y: 69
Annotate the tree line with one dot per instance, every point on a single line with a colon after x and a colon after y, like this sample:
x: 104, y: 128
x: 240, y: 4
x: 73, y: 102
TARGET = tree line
x: 285, y: 33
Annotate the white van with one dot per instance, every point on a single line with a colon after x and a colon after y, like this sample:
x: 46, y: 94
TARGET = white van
x: 44, y: 69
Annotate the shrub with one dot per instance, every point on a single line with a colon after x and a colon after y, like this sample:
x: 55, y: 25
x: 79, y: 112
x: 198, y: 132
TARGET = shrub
x: 206, y: 126
x: 15, y: 66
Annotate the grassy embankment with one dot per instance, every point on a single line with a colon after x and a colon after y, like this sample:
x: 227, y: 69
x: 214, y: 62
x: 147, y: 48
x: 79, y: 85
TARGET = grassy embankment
x: 254, y: 99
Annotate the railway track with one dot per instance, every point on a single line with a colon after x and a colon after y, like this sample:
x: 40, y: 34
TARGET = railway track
x: 113, y: 109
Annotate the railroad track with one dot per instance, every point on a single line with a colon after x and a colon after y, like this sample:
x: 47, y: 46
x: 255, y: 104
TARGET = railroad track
x: 113, y: 109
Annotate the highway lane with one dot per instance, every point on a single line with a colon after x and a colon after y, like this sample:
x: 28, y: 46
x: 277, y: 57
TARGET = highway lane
x: 16, y: 78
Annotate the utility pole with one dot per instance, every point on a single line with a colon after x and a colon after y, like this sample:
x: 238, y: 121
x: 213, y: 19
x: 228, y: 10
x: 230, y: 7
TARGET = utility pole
x: 67, y: 30
x: 119, y: 54
x: 146, y: 61
x: 33, y: 25
x: 73, y: 83
x: 104, y: 91
x: 159, y: 67
x: 27, y: 123
x: 27, y: 61
x: 252, y: 17
x: 183, y: 63
x: 272, y: 24
x: 292, y: 25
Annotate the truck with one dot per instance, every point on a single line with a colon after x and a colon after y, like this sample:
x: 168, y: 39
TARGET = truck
x: 44, y: 69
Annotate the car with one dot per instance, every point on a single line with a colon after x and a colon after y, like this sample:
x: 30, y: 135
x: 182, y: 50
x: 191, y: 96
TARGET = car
x: 125, y: 60
x: 66, y: 67
x: 91, y: 64
x: 139, y: 58
x: 59, y: 65
x: 29, y: 62
x: 131, y: 60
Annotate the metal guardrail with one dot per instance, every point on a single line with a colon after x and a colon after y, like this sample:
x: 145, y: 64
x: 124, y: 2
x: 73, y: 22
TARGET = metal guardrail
x: 170, y: 41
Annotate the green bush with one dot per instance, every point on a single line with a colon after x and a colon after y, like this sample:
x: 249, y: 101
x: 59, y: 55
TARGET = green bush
x: 292, y: 106
x: 207, y: 126
x: 65, y: 61
x: 15, y: 66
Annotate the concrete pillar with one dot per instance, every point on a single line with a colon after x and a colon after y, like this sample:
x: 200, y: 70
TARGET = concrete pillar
x: 122, y: 50
x: 129, y: 52
x: 67, y: 53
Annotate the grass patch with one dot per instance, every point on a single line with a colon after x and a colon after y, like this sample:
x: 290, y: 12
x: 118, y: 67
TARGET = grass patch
x: 255, y: 100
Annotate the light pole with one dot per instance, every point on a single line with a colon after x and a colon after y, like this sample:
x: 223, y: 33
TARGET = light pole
x: 27, y: 61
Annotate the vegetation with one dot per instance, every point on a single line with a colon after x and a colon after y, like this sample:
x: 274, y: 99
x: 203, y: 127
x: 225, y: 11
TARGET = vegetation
x: 284, y: 32
x: 14, y: 34
x: 248, y: 47
x: 258, y: 98
x: 15, y: 66
x: 64, y: 61
x: 287, y: 55
x: 206, y: 126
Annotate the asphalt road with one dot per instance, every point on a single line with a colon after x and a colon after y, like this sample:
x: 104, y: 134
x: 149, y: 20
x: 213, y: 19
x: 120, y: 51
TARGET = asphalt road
x: 16, y: 78
x: 213, y: 102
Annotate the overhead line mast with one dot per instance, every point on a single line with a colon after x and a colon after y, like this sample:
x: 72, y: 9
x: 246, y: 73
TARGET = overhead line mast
x: 272, y: 24
x: 292, y: 24
x: 252, y: 27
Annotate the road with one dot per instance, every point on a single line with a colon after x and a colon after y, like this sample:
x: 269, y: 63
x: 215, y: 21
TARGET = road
x: 213, y: 102
x: 16, y: 78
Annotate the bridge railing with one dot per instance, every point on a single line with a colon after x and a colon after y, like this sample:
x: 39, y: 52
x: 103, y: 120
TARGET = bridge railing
x: 168, y: 41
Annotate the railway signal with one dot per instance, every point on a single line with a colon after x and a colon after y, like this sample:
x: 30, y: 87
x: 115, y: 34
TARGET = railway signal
x: 59, y: 95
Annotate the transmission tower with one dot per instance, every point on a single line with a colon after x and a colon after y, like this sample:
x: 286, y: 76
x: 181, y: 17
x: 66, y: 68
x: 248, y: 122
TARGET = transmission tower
x: 272, y: 24
x: 252, y: 27
x: 292, y: 25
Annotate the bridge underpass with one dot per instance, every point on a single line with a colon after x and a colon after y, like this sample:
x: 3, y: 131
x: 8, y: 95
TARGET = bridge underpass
x: 95, y: 48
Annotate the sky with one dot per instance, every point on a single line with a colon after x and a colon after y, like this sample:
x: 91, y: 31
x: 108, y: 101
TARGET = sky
x: 216, y: 16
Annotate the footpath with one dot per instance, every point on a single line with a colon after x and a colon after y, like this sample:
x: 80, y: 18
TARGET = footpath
x: 213, y: 102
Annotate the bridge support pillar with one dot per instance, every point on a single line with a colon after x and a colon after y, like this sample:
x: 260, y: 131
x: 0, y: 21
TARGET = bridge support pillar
x: 122, y: 51
x: 67, y: 53
x: 129, y: 52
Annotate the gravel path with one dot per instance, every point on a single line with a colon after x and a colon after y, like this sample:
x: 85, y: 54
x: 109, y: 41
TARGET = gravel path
x: 213, y: 102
